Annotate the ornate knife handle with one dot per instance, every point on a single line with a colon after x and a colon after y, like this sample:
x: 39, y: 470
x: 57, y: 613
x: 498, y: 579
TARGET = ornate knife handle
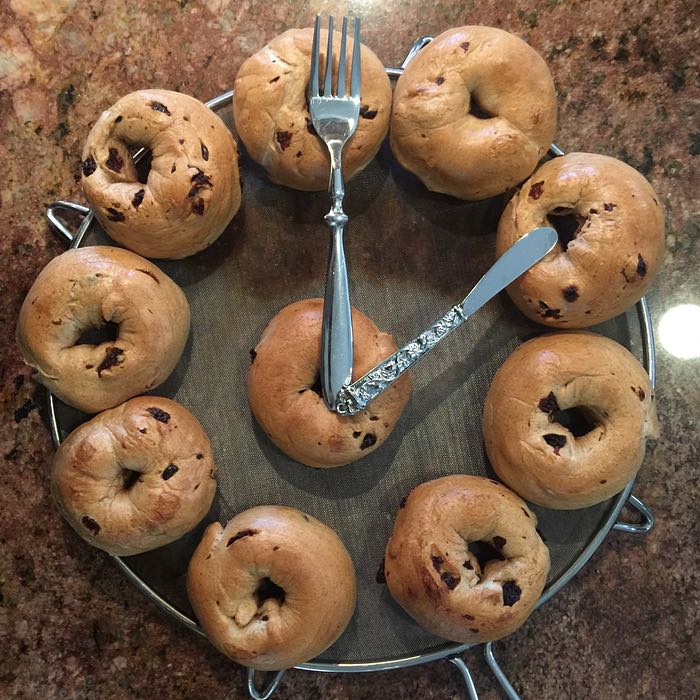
x: 354, y: 398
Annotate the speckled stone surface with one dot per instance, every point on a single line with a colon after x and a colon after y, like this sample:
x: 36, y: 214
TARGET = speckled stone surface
x: 70, y: 625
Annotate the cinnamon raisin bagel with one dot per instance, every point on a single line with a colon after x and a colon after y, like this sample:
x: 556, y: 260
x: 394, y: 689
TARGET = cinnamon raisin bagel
x: 611, y: 239
x: 271, y: 110
x: 135, y: 477
x: 285, y: 395
x: 272, y: 589
x: 94, y: 287
x: 465, y: 559
x: 567, y: 417
x: 192, y: 190
x: 473, y: 112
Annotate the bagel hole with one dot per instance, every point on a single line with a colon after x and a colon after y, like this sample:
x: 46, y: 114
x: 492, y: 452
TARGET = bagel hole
x: 477, y: 110
x: 143, y: 165
x: 108, y: 332
x: 269, y: 589
x: 579, y: 420
x: 567, y: 223
x: 130, y: 478
x: 142, y: 157
x: 484, y: 553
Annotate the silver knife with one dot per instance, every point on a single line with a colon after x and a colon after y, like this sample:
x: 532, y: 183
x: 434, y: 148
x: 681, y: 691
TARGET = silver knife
x: 519, y: 258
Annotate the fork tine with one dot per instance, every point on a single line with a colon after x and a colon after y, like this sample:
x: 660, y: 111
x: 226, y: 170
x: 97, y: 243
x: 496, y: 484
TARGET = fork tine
x: 355, y: 76
x: 341, y: 62
x: 314, y: 58
x: 328, y: 83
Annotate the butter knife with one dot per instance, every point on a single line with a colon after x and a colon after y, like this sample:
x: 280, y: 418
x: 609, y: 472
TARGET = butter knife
x: 519, y: 258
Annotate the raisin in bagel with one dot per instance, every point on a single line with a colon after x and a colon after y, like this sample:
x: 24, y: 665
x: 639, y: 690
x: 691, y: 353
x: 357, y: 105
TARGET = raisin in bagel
x: 192, y: 190
x: 271, y: 110
x: 272, y: 589
x: 465, y: 559
x: 285, y: 396
x: 135, y: 477
x: 473, y: 112
x: 567, y: 417
x: 611, y: 241
x: 86, y: 288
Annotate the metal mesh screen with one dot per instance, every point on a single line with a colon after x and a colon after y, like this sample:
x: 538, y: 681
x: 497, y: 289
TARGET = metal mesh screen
x: 412, y: 254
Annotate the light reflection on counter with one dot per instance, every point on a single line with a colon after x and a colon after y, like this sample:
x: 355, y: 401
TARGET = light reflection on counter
x: 679, y: 331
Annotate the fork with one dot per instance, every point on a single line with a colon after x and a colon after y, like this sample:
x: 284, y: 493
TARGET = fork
x: 335, y: 118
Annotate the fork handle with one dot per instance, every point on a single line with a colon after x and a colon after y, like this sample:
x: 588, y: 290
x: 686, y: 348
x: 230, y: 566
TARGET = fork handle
x: 336, y: 334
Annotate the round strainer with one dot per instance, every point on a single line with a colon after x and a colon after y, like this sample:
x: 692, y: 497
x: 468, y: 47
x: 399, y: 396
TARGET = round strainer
x: 412, y: 254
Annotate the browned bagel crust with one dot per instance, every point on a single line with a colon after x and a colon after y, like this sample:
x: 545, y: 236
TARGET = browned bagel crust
x: 271, y: 113
x: 85, y: 288
x: 253, y: 622
x: 193, y: 188
x: 284, y: 370
x: 540, y: 458
x: 135, y: 477
x: 618, y: 246
x: 435, y: 132
x: 449, y: 590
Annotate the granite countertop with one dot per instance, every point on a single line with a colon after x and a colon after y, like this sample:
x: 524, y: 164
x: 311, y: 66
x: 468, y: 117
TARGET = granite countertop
x: 70, y: 623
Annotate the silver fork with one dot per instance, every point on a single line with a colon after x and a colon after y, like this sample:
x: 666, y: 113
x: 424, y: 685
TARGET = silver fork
x: 335, y: 119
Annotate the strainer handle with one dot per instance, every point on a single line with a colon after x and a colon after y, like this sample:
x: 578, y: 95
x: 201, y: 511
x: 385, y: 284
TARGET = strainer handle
x: 647, y: 518
x: 501, y: 677
x: 53, y: 217
x: 266, y: 692
x: 498, y: 673
x: 418, y: 44
x: 458, y: 661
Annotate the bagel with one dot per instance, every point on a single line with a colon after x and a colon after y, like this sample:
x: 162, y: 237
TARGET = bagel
x: 473, y: 112
x: 566, y: 419
x: 271, y: 110
x: 611, y: 240
x: 285, y: 394
x: 135, y: 477
x: 87, y: 288
x: 465, y: 559
x: 192, y: 190
x: 272, y: 589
